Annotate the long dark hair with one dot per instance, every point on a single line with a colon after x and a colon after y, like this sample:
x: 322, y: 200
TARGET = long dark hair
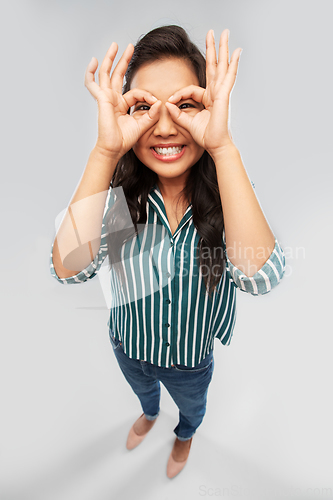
x: 202, y: 188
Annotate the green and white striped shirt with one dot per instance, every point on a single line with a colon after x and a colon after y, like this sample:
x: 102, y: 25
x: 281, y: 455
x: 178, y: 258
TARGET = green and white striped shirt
x: 160, y: 308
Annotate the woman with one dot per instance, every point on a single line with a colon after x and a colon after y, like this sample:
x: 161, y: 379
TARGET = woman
x: 178, y: 221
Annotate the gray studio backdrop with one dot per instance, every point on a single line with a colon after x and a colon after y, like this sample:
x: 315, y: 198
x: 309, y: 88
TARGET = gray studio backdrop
x: 65, y: 407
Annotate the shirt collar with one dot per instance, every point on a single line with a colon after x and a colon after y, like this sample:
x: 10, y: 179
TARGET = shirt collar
x: 155, y: 200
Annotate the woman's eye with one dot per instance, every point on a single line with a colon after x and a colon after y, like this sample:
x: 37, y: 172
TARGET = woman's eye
x: 142, y: 107
x: 186, y: 105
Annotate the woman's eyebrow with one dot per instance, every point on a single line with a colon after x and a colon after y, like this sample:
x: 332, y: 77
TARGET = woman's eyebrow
x: 180, y: 100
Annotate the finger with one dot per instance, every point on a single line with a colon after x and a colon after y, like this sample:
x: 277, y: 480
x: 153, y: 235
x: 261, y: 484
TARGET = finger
x: 104, y: 71
x: 89, y: 77
x: 148, y: 119
x: 117, y: 77
x: 211, y: 61
x: 178, y: 116
x: 137, y: 95
x: 230, y: 77
x: 223, y: 63
x: 191, y: 92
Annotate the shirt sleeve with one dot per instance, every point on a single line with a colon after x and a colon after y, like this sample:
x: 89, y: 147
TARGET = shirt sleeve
x: 263, y: 280
x: 91, y: 270
x: 266, y: 278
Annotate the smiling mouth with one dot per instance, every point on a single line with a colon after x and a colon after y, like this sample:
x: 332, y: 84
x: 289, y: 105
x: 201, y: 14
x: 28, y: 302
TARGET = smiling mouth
x: 175, y: 150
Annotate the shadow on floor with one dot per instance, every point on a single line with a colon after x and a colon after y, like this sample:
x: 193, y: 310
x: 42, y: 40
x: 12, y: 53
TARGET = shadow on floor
x: 211, y: 471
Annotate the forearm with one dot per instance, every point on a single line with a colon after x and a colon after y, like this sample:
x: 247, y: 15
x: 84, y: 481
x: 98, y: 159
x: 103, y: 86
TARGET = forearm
x: 249, y: 239
x: 78, y: 238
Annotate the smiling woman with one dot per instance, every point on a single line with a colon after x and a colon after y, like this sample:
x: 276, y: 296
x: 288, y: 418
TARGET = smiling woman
x: 175, y: 211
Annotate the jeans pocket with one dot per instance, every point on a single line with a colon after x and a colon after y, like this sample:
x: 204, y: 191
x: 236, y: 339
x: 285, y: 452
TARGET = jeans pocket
x: 205, y: 364
x: 116, y: 344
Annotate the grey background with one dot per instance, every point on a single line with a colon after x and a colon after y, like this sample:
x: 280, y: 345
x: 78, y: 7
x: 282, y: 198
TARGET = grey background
x: 65, y: 407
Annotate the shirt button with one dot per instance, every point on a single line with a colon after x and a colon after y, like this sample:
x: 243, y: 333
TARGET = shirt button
x: 171, y: 243
x: 167, y: 325
x: 168, y: 301
x: 167, y: 344
x: 168, y: 275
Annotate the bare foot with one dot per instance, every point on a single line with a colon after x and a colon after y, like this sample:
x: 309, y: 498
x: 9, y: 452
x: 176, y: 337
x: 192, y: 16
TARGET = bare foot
x: 142, y: 425
x: 181, y: 450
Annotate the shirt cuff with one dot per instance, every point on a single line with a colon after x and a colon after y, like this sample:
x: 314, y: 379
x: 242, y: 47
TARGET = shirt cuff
x: 89, y: 272
x: 266, y: 278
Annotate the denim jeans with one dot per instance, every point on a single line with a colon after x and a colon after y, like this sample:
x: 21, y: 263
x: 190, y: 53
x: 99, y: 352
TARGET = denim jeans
x: 187, y: 386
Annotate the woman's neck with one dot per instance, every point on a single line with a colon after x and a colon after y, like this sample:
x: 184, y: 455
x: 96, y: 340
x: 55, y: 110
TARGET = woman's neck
x: 171, y: 188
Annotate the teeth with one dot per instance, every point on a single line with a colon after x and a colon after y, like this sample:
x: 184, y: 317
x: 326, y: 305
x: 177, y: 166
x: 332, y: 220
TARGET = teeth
x: 168, y: 151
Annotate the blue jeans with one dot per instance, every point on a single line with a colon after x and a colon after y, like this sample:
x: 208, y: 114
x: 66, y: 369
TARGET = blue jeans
x: 187, y: 386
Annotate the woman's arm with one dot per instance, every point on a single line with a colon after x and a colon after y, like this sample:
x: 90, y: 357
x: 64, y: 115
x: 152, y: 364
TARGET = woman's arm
x: 79, y: 236
x: 249, y: 239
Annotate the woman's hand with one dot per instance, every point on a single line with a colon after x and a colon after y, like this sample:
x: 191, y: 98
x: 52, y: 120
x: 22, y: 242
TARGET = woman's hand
x: 209, y: 127
x: 117, y: 130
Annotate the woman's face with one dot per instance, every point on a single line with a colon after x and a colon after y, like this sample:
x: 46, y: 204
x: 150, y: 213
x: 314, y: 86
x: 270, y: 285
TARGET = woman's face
x: 162, y: 79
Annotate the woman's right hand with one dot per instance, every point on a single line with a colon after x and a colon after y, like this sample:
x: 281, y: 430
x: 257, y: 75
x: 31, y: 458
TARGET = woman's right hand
x: 117, y: 130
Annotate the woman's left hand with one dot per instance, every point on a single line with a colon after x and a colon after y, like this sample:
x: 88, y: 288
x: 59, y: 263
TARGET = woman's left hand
x: 209, y: 127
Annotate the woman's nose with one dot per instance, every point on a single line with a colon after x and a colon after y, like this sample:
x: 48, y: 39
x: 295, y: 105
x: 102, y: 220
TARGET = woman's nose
x: 165, y: 126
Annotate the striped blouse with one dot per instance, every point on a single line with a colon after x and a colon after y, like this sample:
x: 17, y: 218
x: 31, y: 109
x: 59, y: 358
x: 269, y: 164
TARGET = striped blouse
x: 160, y: 308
